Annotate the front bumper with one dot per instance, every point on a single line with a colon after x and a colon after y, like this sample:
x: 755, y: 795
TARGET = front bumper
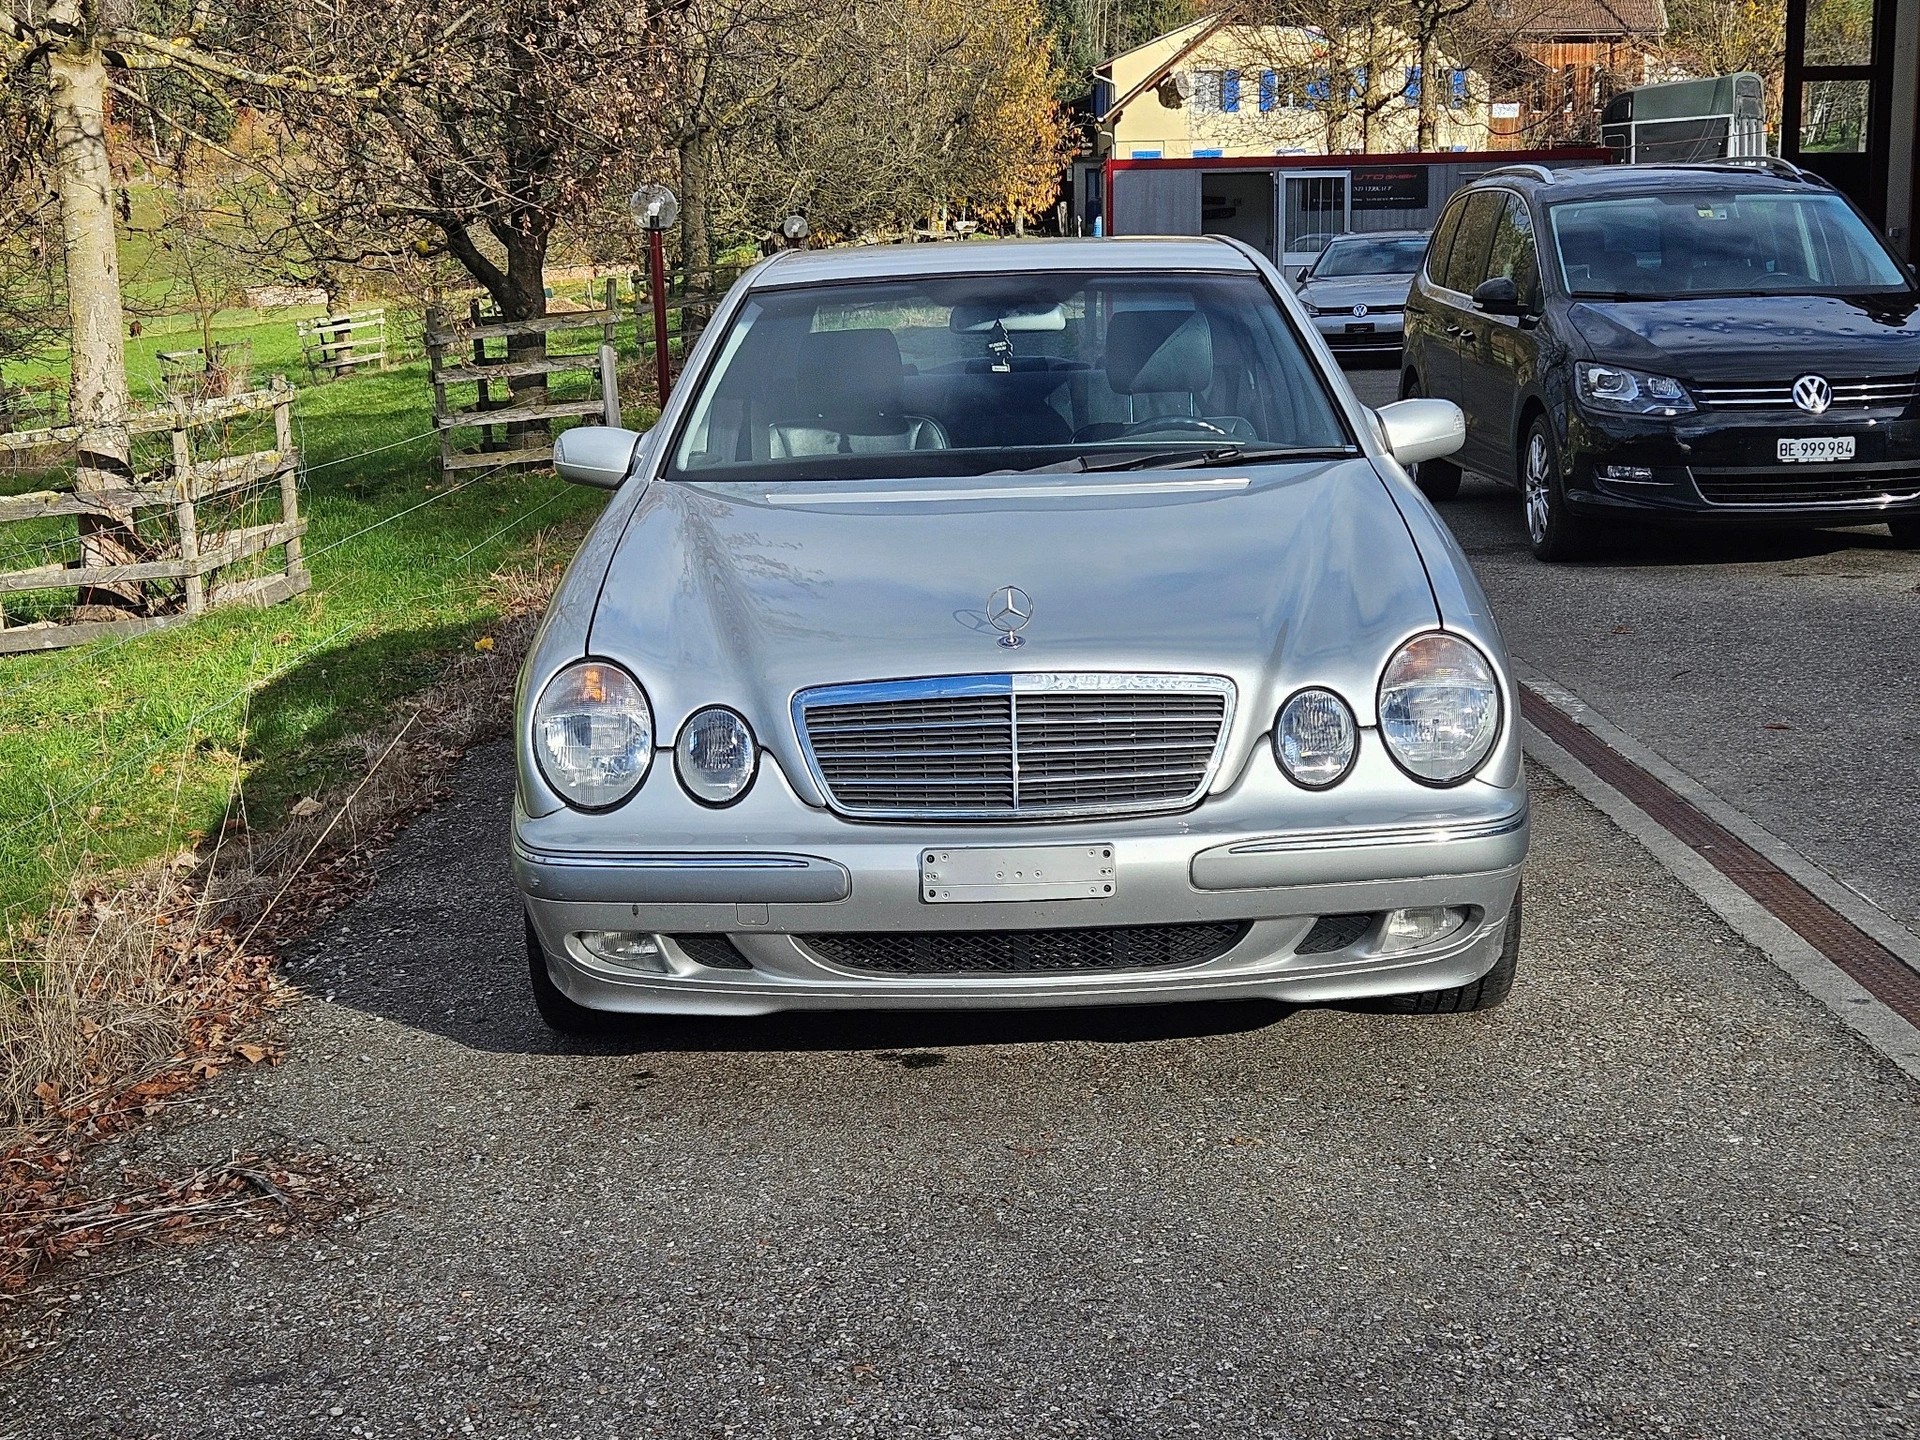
x: 811, y: 873
x: 1722, y: 466
x: 1376, y: 332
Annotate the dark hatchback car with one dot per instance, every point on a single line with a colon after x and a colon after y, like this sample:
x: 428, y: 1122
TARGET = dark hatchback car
x: 1719, y: 341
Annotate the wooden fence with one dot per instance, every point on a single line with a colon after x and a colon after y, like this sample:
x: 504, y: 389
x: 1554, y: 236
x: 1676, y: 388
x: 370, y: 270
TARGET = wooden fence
x: 336, y: 345
x: 516, y: 428
x: 197, y: 519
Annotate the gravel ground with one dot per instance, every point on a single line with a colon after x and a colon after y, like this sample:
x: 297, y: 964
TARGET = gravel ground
x: 1779, y: 669
x: 1659, y: 1194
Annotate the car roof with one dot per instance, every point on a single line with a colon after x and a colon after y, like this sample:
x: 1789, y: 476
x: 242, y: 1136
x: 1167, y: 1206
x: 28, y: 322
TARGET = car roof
x: 1586, y: 180
x: 968, y: 257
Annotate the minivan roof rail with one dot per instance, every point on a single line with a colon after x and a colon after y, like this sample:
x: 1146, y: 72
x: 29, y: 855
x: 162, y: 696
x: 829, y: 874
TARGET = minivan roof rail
x: 1773, y: 164
x: 1537, y: 172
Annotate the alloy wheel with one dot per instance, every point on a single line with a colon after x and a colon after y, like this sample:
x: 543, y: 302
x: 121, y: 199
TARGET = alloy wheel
x: 1539, y: 487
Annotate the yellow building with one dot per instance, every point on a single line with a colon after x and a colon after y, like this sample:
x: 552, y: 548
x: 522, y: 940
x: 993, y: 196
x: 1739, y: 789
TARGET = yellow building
x: 1212, y: 89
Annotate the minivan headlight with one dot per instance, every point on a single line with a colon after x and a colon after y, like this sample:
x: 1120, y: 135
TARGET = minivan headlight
x: 715, y: 756
x: 1632, y: 392
x: 593, y: 734
x: 1439, y: 708
x: 1315, y: 739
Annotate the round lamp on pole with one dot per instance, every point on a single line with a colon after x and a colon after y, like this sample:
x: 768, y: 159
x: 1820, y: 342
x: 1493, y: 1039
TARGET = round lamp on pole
x: 656, y: 210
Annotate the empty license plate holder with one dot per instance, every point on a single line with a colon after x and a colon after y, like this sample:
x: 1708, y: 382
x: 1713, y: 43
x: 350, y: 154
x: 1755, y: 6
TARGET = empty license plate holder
x: 972, y: 875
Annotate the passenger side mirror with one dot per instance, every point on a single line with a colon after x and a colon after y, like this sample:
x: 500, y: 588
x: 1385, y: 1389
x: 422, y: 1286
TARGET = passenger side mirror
x: 596, y: 455
x: 1419, y: 430
x: 1497, y: 296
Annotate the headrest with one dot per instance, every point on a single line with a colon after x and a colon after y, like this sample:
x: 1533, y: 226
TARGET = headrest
x: 1156, y: 352
x: 851, y: 375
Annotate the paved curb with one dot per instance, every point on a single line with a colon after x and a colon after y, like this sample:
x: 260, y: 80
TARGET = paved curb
x: 1882, y: 1029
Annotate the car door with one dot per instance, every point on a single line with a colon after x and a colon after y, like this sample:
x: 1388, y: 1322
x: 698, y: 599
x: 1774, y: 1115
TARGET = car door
x: 1429, y: 340
x: 1465, y: 330
x: 1499, y: 361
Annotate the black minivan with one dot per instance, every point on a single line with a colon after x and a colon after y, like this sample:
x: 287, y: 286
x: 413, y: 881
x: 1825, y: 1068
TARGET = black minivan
x: 1728, y: 340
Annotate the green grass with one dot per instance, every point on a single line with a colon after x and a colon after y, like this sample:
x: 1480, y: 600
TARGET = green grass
x: 120, y: 752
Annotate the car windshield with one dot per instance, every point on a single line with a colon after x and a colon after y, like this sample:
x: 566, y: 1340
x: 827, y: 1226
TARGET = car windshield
x: 962, y: 375
x: 1400, y: 255
x: 1718, y: 242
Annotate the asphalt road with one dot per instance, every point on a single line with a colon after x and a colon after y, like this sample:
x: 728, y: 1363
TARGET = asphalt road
x: 1661, y: 1193
x: 1780, y: 670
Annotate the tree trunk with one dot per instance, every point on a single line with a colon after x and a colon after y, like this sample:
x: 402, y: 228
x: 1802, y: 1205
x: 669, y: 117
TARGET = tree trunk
x: 524, y: 297
x: 696, y: 232
x: 78, y: 102
x: 1426, y: 134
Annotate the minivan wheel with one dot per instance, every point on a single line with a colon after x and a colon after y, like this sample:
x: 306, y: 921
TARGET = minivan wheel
x: 1906, y: 533
x: 1437, y: 479
x: 1553, y: 531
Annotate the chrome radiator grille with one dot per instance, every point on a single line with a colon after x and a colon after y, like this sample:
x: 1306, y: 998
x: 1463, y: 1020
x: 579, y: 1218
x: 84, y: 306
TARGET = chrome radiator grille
x: 1847, y: 395
x: 996, y: 747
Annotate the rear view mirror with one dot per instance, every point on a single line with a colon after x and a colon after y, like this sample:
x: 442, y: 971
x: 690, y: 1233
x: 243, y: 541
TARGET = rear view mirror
x: 1497, y: 296
x: 1014, y: 319
x: 1419, y: 430
x: 596, y: 455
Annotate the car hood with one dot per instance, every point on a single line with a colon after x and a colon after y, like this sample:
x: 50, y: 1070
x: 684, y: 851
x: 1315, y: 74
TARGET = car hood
x: 1756, y: 340
x: 1357, y: 290
x: 1277, y: 577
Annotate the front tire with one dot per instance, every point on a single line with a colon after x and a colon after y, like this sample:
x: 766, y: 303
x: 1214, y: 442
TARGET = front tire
x: 558, y: 1011
x: 1554, y: 532
x: 1490, y: 990
x: 1438, y: 479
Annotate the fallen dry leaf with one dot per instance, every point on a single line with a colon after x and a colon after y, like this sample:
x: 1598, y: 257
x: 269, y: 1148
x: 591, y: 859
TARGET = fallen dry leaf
x: 306, y: 808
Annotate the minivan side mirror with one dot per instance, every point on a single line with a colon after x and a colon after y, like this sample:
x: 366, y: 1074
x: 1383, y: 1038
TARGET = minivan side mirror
x: 596, y: 455
x: 1422, y: 429
x: 1497, y: 296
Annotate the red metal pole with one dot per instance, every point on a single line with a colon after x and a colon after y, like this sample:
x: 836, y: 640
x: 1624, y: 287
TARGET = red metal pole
x: 656, y: 279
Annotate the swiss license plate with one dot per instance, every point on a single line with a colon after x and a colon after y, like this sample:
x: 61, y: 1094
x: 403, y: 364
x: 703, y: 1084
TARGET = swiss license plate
x: 1816, y: 450
x: 966, y: 876
x: 1360, y: 329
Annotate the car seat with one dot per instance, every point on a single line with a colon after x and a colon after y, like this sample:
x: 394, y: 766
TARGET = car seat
x: 1162, y: 362
x: 850, y: 400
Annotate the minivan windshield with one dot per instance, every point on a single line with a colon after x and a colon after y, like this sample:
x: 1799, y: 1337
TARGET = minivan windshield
x: 961, y: 375
x: 1398, y: 255
x: 1718, y: 242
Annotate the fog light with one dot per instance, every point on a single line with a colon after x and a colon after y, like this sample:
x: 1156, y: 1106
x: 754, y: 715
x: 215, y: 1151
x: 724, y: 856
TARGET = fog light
x: 1632, y: 474
x: 626, y: 948
x: 1417, y: 929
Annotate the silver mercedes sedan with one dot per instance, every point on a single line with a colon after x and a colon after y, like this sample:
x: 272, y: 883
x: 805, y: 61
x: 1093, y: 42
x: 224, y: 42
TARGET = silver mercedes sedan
x: 1016, y: 624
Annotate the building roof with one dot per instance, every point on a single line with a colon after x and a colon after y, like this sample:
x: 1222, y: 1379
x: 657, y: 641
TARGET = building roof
x: 1577, y: 19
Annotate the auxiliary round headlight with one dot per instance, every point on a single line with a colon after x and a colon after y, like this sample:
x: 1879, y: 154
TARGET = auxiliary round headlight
x: 593, y: 734
x: 1315, y: 739
x: 715, y: 756
x: 1439, y: 708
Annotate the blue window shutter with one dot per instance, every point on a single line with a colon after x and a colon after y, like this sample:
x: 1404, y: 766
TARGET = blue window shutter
x: 1413, y: 85
x: 1319, y: 89
x: 1458, y: 94
x: 1269, y: 89
x: 1230, y: 91
x: 1357, y: 85
x: 1208, y: 154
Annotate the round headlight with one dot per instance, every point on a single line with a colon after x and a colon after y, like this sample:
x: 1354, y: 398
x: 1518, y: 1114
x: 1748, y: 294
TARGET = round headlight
x: 715, y: 756
x: 1315, y: 739
x: 1439, y: 708
x: 593, y: 734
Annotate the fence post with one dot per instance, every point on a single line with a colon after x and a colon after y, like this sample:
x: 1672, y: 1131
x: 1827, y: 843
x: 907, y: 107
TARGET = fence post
x: 289, y: 476
x: 488, y: 439
x: 610, y: 358
x: 185, y: 515
x: 436, y: 358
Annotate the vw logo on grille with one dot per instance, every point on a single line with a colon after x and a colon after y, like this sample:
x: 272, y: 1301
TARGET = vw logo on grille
x: 1813, y: 394
x: 1008, y: 611
x: 1359, y: 312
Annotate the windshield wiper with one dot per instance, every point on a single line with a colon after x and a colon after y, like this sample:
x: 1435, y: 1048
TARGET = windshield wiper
x: 1190, y: 459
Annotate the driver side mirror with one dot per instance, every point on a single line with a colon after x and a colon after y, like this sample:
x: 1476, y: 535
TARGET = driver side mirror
x: 1419, y: 430
x: 596, y: 455
x: 1497, y: 296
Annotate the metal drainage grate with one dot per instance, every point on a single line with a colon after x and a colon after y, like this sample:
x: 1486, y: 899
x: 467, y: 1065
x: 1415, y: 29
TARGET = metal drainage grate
x: 716, y: 952
x: 1334, y: 932
x: 1027, y: 952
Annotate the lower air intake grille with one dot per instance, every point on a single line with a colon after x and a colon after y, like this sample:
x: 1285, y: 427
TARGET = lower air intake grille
x: 1027, y: 952
x: 716, y: 952
x: 1808, y: 485
x: 1333, y: 932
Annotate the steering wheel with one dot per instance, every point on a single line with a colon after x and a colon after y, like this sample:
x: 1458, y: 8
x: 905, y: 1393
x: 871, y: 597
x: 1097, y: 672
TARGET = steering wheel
x: 1172, y: 422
